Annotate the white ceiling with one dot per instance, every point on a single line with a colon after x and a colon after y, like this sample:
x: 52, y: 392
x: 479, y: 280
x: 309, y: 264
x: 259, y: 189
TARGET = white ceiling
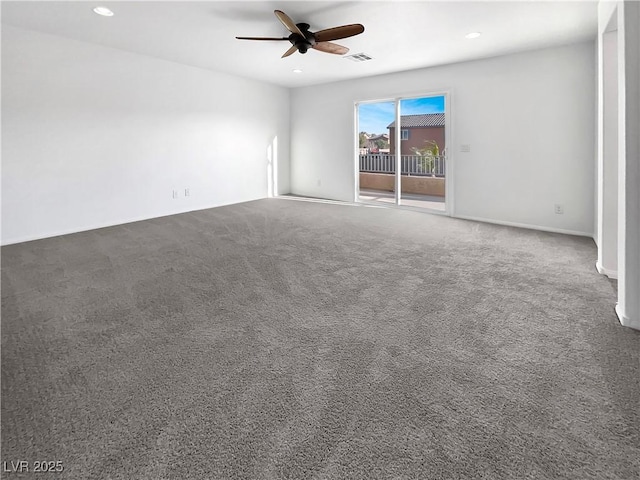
x: 398, y: 35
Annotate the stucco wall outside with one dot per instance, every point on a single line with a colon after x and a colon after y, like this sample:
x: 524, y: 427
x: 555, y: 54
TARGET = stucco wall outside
x: 386, y: 182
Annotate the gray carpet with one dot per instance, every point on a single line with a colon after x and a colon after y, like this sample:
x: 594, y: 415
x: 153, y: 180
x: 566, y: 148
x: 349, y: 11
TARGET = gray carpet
x: 291, y: 339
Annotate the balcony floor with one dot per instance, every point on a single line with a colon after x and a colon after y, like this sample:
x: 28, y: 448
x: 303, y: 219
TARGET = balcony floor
x: 407, y: 199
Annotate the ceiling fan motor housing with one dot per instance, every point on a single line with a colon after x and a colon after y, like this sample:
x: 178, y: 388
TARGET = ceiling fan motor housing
x: 303, y: 43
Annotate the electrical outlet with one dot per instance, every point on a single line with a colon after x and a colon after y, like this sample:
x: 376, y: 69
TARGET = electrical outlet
x: 558, y: 209
x: 186, y: 192
x: 175, y: 194
x: 319, y: 183
x: 465, y: 148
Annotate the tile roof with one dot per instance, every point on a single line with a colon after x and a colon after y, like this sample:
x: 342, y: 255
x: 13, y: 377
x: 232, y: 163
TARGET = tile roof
x: 383, y: 136
x: 424, y: 120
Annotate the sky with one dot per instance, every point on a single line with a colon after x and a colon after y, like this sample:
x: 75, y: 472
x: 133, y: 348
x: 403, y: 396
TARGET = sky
x: 374, y: 117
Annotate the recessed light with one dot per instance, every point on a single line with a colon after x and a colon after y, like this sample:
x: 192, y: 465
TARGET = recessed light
x: 472, y: 35
x: 297, y: 70
x: 104, y: 11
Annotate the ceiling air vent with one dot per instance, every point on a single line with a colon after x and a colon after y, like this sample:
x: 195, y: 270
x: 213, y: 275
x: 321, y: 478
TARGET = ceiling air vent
x: 358, y: 57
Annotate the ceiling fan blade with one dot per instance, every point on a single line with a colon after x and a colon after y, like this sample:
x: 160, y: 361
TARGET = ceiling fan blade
x: 287, y: 22
x: 290, y: 51
x: 330, y: 48
x: 262, y: 38
x: 337, y: 33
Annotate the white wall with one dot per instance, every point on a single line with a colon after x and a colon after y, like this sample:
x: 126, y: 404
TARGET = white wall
x: 625, y: 16
x: 628, y: 307
x: 529, y: 119
x: 93, y: 136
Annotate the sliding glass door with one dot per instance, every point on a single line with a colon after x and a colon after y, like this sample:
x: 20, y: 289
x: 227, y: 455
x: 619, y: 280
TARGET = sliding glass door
x: 377, y: 165
x: 414, y: 174
x: 422, y: 152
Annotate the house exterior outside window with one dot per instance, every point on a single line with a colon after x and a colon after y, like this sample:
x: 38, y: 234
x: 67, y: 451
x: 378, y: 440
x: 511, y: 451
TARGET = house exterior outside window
x: 418, y: 128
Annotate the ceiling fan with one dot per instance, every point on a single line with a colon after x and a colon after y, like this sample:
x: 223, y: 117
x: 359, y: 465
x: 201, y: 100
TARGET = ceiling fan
x: 302, y: 39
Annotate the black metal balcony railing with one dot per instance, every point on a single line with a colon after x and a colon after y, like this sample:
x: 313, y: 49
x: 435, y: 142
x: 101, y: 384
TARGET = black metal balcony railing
x: 409, y: 164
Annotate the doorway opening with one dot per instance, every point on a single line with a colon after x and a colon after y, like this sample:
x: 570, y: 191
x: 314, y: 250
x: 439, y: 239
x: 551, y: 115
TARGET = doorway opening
x: 607, y: 227
x: 413, y: 174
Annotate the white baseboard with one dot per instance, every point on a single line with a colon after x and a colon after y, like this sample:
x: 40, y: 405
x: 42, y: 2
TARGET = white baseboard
x: 626, y: 321
x: 604, y: 271
x: 525, y: 225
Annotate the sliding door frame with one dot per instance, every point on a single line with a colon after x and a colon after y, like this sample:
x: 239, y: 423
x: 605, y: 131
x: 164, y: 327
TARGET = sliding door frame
x: 448, y: 135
